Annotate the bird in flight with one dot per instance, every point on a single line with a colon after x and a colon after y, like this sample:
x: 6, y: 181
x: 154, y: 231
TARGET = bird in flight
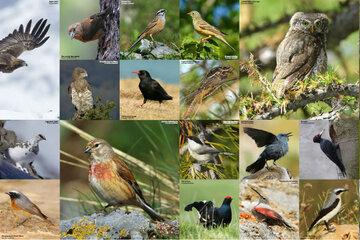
x: 19, y: 41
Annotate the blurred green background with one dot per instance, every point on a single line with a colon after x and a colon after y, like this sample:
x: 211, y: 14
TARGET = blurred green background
x: 72, y: 12
x: 152, y: 142
x: 135, y: 17
x: 199, y: 190
x: 249, y: 152
x: 223, y: 137
x: 223, y: 104
x: 222, y: 14
x: 343, y: 58
x: 314, y: 194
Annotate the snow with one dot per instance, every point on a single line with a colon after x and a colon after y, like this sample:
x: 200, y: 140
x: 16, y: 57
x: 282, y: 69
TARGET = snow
x: 31, y: 92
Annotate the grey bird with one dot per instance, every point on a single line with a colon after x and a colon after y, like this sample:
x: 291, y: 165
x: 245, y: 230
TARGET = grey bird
x: 276, y: 146
x: 331, y: 207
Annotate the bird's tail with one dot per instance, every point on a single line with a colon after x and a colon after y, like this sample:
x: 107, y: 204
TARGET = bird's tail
x: 154, y: 215
x: 224, y: 41
x: 189, y: 207
x: 168, y: 97
x: 287, y: 225
x: 312, y: 225
x: 256, y: 166
x: 342, y: 169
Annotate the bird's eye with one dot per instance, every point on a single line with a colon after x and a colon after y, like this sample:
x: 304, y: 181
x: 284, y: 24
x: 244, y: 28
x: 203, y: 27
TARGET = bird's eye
x: 97, y: 145
x: 305, y: 23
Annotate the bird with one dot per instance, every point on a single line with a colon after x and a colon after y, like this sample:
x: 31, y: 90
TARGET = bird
x: 113, y: 181
x: 329, y: 210
x: 209, y: 84
x: 331, y: 150
x: 276, y: 146
x: 90, y: 28
x: 150, y: 88
x: 20, y: 40
x: 207, y: 30
x: 211, y: 216
x: 202, y: 152
x: 264, y: 212
x: 153, y: 28
x: 80, y: 91
x: 24, y: 153
x: 302, y: 53
x: 19, y: 202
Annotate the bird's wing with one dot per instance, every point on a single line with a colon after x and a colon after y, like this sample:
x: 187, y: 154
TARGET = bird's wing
x: 206, y: 149
x: 292, y: 56
x: 70, y: 90
x: 332, y: 133
x: 23, y: 40
x: 325, y: 210
x: 261, y: 137
x: 158, y: 88
x: 206, y: 27
x: 125, y: 173
x: 149, y: 26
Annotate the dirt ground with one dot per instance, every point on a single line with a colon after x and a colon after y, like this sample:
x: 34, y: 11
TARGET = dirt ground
x: 43, y: 193
x: 131, y: 100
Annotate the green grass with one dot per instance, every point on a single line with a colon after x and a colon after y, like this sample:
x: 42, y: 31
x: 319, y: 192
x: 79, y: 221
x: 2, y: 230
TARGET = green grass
x: 195, y: 231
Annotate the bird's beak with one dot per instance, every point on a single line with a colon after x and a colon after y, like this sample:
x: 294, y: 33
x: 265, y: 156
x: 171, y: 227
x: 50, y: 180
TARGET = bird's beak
x: 85, y: 74
x: 43, y: 137
x: 189, y: 13
x: 321, y: 132
x: 72, y: 34
x: 135, y: 72
x: 87, y: 150
x: 289, y: 134
x: 24, y: 64
x: 312, y: 29
x: 7, y: 193
x: 345, y: 190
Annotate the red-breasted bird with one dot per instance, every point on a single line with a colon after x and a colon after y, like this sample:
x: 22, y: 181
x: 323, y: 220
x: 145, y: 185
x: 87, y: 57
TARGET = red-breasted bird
x: 211, y: 216
x: 19, y: 202
x: 90, y: 28
x: 112, y: 180
x: 150, y: 88
x: 265, y: 213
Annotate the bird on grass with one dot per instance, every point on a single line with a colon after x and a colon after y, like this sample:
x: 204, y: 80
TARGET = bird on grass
x: 150, y: 88
x: 154, y: 27
x: 205, y: 29
x: 329, y: 210
x: 276, y: 146
x: 331, y: 150
x: 112, y: 180
x: 211, y: 216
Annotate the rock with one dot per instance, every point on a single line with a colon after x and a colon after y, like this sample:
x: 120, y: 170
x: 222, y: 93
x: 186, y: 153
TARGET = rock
x: 152, y: 50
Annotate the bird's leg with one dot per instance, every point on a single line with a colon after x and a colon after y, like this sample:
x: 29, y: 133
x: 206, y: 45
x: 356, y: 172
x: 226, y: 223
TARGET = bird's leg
x: 329, y: 228
x: 22, y: 222
x: 266, y: 165
x: 205, y: 39
x: 274, y: 162
x: 143, y: 102
x: 152, y: 39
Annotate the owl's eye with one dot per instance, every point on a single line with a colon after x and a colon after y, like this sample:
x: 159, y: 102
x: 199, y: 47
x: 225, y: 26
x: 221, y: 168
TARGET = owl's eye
x: 305, y: 23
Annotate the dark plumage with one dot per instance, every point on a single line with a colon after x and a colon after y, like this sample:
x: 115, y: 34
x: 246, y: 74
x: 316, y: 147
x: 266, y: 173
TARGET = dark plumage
x: 211, y: 216
x: 331, y: 150
x: 20, y: 40
x: 276, y: 146
x: 150, y: 88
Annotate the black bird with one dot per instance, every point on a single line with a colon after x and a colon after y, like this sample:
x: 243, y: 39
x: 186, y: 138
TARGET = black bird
x: 150, y: 88
x: 276, y: 146
x: 211, y: 216
x: 331, y: 150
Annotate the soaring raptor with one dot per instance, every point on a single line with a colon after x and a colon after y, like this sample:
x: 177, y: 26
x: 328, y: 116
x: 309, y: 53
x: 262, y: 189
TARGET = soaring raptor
x: 80, y: 91
x: 20, y: 40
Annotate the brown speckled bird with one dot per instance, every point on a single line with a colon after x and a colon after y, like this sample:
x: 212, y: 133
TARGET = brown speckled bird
x: 112, y: 180
x: 80, y: 91
x: 90, y: 28
x: 208, y: 31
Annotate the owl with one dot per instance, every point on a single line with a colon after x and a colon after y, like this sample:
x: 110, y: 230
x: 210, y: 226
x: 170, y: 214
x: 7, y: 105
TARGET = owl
x: 302, y: 52
x: 80, y: 91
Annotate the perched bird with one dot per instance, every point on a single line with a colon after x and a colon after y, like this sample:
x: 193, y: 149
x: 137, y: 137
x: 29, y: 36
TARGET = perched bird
x: 80, y: 91
x: 90, y: 28
x: 12, y: 46
x: 154, y: 27
x: 202, y: 152
x: 276, y: 146
x: 265, y: 213
x: 211, y: 216
x: 204, y: 28
x: 331, y: 207
x: 112, y: 180
x: 20, y: 202
x: 302, y: 52
x: 209, y: 84
x: 24, y: 153
x: 331, y: 150
x: 150, y: 88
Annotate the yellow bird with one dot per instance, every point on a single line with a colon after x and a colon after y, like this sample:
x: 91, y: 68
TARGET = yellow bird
x: 204, y: 28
